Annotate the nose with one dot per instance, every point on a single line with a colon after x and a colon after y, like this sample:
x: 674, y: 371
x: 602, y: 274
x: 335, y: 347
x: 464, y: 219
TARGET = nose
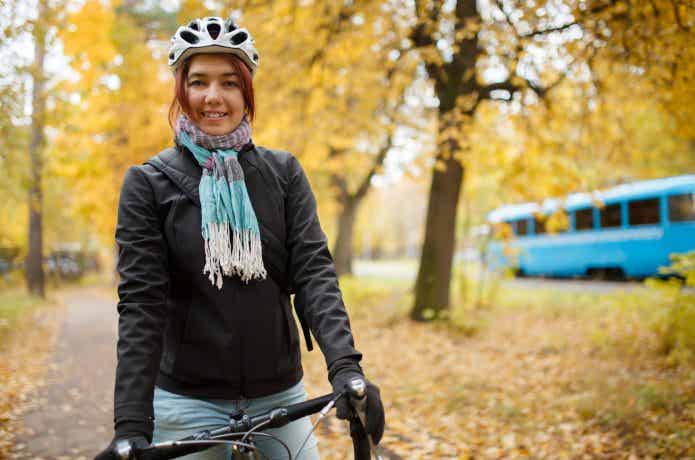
x: 212, y: 95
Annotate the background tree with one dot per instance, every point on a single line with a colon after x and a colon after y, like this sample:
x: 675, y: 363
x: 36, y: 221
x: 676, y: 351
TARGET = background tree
x: 123, y: 86
x: 13, y: 143
x: 473, y: 52
x: 26, y: 82
x: 34, y: 261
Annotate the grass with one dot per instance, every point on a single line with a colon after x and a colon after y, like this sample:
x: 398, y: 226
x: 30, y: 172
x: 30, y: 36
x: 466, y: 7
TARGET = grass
x: 14, y: 304
x: 390, y: 297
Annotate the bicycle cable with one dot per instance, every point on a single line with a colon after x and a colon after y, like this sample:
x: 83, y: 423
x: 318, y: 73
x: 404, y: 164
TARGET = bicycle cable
x: 322, y: 413
x: 260, y: 425
x: 210, y: 441
x: 274, y: 438
x: 232, y: 443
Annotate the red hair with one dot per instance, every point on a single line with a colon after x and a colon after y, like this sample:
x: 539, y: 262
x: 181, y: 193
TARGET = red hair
x: 180, y: 102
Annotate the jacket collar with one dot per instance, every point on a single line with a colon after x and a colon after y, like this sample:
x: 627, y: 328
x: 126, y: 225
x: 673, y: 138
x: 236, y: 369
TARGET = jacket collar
x: 180, y: 166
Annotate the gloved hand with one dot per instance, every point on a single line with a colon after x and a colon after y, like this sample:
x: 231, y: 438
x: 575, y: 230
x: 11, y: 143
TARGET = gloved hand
x: 340, y: 376
x: 110, y: 453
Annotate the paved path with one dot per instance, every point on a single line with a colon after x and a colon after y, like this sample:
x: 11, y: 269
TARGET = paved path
x: 71, y: 417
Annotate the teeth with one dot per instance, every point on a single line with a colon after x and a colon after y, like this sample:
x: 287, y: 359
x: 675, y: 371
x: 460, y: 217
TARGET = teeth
x: 214, y: 114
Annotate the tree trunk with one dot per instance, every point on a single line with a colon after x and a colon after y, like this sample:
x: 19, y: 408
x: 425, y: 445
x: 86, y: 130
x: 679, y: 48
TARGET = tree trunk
x: 34, y: 267
x: 457, y: 90
x: 434, y: 275
x: 343, y: 244
x: 351, y: 202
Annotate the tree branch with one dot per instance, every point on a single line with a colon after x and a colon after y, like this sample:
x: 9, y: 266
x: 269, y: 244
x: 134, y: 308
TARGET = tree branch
x: 334, y: 28
x: 549, y: 30
x: 421, y: 34
x: 485, y: 92
x: 677, y: 15
x: 341, y: 184
x: 378, y: 161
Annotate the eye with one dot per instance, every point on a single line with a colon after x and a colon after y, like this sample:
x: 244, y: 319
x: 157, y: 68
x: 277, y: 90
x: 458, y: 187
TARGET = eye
x: 232, y: 83
x: 195, y: 83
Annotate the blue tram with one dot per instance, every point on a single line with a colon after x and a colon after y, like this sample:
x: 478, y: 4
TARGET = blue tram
x: 626, y: 231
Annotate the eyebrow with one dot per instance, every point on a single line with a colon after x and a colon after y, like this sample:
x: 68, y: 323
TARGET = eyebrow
x: 202, y: 74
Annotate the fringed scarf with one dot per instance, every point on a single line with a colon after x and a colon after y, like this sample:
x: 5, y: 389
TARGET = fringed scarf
x: 229, y: 225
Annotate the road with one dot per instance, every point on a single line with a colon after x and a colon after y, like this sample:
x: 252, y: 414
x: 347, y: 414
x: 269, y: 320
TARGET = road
x: 406, y: 270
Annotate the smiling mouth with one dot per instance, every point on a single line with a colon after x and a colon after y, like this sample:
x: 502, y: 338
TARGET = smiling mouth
x: 214, y: 115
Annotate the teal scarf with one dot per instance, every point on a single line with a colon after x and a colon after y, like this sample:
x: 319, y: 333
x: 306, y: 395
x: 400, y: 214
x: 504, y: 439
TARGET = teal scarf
x: 229, y: 225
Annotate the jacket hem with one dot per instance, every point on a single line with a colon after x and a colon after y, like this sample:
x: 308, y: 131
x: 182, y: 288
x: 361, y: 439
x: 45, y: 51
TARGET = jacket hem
x: 228, y: 389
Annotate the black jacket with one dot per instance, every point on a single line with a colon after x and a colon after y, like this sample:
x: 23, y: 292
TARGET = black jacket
x: 177, y: 329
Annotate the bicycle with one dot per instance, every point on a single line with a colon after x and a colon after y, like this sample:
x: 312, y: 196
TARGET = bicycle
x: 243, y: 429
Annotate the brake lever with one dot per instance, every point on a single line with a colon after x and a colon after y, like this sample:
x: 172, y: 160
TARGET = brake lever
x: 358, y: 398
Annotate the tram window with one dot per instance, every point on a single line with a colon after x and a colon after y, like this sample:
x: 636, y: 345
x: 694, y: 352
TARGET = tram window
x: 681, y: 207
x: 644, y: 212
x: 611, y: 216
x: 584, y: 219
x: 522, y: 227
x: 539, y: 227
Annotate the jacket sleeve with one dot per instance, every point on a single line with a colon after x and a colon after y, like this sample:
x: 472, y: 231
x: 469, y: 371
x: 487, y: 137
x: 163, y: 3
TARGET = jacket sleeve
x: 312, y: 272
x: 144, y: 278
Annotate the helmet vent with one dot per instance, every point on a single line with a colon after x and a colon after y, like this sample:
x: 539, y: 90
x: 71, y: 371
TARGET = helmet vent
x: 255, y: 57
x: 239, y: 38
x: 194, y: 25
x: 230, y: 27
x: 190, y: 37
x: 171, y: 56
x: 214, y: 30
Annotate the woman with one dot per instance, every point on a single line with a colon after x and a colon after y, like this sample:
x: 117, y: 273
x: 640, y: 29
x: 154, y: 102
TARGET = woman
x: 213, y: 236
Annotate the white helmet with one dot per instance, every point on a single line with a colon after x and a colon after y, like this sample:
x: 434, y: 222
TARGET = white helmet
x: 212, y: 35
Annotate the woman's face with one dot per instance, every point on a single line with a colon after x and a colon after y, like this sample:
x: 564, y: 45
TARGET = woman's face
x: 214, y: 94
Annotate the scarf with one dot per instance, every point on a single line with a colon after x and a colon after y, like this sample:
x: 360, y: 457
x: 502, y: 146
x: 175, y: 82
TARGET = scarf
x: 229, y: 225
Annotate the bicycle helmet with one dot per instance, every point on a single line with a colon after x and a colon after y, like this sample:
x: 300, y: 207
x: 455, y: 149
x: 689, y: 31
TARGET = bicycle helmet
x: 212, y: 35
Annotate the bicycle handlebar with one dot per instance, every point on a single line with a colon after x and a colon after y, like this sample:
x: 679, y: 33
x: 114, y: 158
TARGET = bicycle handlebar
x: 203, y: 440
x: 239, y: 429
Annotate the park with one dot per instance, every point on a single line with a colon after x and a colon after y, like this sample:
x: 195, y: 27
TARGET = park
x: 503, y: 190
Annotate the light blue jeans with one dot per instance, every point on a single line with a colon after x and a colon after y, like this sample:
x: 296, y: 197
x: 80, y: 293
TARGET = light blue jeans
x: 177, y: 416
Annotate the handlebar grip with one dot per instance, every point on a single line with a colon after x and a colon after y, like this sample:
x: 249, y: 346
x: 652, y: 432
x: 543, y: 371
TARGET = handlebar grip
x: 299, y: 410
x: 169, y: 452
x: 362, y: 444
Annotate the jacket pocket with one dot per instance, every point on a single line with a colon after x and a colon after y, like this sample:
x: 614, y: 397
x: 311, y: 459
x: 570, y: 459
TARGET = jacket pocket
x: 169, y: 220
x: 178, y: 303
x: 292, y: 334
x: 289, y: 359
x: 187, y: 246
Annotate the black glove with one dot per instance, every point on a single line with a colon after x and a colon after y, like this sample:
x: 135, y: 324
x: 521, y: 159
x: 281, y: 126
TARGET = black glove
x: 340, y: 375
x: 110, y: 453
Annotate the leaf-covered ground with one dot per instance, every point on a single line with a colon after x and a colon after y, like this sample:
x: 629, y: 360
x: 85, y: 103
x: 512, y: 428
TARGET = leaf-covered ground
x: 28, y: 330
x: 532, y: 376
x: 522, y: 382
